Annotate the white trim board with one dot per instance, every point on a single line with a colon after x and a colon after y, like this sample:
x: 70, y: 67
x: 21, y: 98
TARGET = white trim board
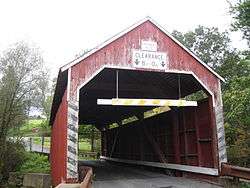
x: 87, y: 81
x: 72, y: 63
x: 187, y: 168
x: 69, y: 83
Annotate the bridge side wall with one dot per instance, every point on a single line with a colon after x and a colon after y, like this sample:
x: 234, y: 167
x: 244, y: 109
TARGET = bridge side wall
x: 58, y: 150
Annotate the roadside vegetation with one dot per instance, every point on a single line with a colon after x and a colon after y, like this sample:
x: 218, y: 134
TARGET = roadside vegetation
x: 35, y: 163
x: 22, y: 75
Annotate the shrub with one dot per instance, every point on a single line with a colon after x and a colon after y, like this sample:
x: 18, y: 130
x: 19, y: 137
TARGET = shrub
x: 35, y: 163
x: 245, y: 185
x: 13, y: 158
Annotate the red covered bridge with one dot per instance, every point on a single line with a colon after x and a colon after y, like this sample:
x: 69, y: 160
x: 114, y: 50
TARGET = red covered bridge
x: 139, y: 69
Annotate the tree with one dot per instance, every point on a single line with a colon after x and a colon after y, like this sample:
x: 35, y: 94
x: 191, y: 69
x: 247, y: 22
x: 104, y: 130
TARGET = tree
x: 237, y: 109
x: 45, y: 93
x: 238, y: 96
x: 42, y: 92
x: 21, y: 70
x: 237, y: 93
x: 89, y: 132
x: 209, y: 44
x: 213, y: 47
x: 241, y: 16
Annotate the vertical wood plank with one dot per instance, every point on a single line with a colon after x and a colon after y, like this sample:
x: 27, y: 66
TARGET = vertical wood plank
x: 176, y: 137
x: 197, y: 136
x: 214, y: 133
x: 185, y: 135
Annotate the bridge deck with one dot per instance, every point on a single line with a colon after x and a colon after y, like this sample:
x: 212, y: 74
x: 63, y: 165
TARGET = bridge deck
x: 108, y: 175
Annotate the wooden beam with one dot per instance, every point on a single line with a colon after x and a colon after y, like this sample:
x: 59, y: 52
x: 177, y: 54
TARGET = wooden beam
x: 197, y: 132
x: 184, y: 135
x: 152, y: 141
x: 145, y: 102
x: 187, y: 168
x: 155, y: 145
x: 214, y: 132
x: 176, y: 136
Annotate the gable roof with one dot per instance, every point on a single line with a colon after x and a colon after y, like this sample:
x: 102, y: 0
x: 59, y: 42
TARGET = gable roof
x: 105, y: 43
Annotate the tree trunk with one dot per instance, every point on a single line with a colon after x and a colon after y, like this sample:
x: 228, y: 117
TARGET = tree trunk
x: 92, y: 139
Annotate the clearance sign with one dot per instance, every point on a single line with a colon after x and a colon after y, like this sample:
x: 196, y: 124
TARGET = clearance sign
x: 148, y: 58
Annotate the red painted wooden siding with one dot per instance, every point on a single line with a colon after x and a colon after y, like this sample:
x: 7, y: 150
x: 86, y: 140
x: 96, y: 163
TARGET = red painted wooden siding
x: 58, y: 143
x: 119, y: 53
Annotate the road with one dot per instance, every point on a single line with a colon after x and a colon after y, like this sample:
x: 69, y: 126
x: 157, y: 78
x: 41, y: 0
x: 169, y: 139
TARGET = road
x: 108, y: 175
x: 34, y: 147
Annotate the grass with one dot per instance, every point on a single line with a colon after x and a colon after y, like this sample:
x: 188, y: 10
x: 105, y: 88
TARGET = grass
x: 84, y: 145
x: 38, y: 140
x: 31, y: 124
x: 86, y: 158
x: 28, y: 129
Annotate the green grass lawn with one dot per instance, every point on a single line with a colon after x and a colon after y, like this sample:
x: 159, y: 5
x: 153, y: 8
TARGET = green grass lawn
x: 38, y: 140
x: 84, y: 145
x: 30, y: 124
x: 28, y: 129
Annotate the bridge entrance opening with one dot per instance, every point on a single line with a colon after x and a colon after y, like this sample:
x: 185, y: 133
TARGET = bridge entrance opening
x: 178, y: 138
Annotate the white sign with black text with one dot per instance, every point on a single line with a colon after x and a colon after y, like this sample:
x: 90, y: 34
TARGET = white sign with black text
x: 149, y: 46
x: 149, y: 59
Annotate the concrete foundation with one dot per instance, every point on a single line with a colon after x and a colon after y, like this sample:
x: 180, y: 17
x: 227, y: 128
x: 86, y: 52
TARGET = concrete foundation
x: 37, y: 180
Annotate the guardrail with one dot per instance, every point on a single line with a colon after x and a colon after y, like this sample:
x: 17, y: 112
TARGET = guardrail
x: 86, y: 174
x: 88, y: 154
x: 87, y: 181
x: 235, y: 171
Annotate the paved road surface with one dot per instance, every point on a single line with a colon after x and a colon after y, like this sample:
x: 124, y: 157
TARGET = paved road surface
x: 35, y: 147
x: 108, y: 175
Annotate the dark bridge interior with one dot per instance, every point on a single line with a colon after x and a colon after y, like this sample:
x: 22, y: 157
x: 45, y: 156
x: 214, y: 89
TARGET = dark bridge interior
x: 131, y: 84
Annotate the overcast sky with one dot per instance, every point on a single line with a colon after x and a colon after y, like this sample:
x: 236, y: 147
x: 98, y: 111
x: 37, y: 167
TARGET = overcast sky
x: 64, y: 28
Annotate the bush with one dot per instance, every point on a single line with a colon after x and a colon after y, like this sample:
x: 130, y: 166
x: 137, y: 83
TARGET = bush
x: 245, y: 185
x: 35, y: 163
x: 13, y: 158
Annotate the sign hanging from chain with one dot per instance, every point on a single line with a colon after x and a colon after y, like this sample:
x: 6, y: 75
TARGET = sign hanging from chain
x: 148, y: 57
